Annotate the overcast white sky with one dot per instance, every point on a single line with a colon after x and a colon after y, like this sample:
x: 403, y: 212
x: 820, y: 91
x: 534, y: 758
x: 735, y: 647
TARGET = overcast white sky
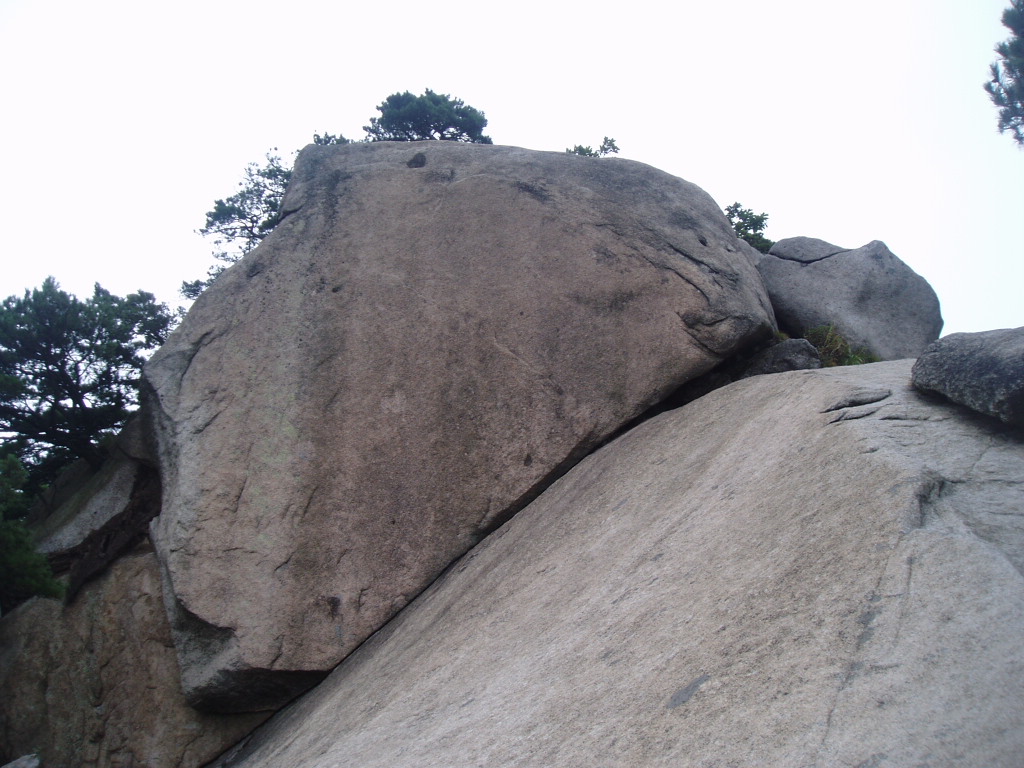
x: 122, y: 120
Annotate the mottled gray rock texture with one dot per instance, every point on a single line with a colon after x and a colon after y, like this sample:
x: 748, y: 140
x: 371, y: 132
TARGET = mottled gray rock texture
x: 874, y: 300
x: 984, y: 371
x: 92, y: 517
x: 81, y: 501
x: 788, y: 355
x: 805, y: 250
x: 432, y: 333
x: 817, y: 568
x: 102, y: 498
x: 96, y: 683
x: 25, y: 761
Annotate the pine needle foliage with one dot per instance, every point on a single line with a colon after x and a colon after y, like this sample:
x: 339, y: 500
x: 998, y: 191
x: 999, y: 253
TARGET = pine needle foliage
x: 1006, y: 86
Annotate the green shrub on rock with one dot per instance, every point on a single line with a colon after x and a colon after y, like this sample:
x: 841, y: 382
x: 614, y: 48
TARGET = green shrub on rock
x: 24, y: 572
x: 749, y: 226
x: 835, y: 350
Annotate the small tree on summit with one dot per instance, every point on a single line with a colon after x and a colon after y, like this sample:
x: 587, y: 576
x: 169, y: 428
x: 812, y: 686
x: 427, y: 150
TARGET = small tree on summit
x: 1006, y: 88
x: 330, y: 140
x: 607, y: 147
x: 404, y: 117
x: 241, y: 221
x: 749, y: 226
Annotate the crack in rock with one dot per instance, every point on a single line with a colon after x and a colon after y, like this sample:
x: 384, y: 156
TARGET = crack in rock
x: 860, y: 397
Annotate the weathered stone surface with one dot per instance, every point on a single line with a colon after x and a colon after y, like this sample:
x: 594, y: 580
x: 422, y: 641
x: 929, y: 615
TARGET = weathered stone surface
x: 25, y: 761
x: 432, y: 332
x: 104, y: 496
x: 119, y: 535
x: 102, y: 517
x: 788, y: 355
x: 60, y: 506
x: 770, y: 357
x: 805, y: 250
x: 984, y: 371
x: 86, y: 500
x: 873, y: 299
x: 95, y: 684
x: 818, y: 568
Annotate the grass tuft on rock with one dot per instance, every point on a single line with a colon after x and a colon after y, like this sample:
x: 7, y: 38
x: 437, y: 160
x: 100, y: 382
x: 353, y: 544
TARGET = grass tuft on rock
x: 835, y: 350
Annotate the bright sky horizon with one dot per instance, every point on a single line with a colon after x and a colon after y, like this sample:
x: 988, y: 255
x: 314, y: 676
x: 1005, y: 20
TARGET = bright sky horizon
x: 124, y: 121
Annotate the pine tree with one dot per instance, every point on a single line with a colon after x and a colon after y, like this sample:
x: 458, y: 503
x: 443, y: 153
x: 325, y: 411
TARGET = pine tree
x: 1006, y: 88
x: 69, y: 371
x: 404, y: 117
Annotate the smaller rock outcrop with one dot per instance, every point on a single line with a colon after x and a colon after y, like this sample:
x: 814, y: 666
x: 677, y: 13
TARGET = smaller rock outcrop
x: 99, y: 500
x: 983, y: 371
x: 788, y: 355
x: 773, y: 357
x: 873, y: 299
x: 95, y: 517
x: 96, y: 683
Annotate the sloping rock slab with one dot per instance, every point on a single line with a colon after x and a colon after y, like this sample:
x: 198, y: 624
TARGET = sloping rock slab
x: 817, y: 568
x: 432, y: 333
x: 984, y: 371
x: 97, y: 684
x: 873, y: 299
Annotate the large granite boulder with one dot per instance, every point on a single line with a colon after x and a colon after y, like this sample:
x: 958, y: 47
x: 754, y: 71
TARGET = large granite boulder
x: 874, y: 300
x: 817, y: 568
x: 983, y: 371
x: 96, y: 683
x: 432, y: 334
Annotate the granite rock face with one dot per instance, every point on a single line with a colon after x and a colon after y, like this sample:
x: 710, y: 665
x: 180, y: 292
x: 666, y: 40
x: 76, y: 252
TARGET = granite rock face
x: 685, y: 596
x: 103, y: 498
x: 788, y: 355
x: 96, y: 683
x: 81, y: 501
x: 107, y: 517
x: 25, y: 761
x: 874, y: 300
x: 983, y: 371
x: 432, y: 334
